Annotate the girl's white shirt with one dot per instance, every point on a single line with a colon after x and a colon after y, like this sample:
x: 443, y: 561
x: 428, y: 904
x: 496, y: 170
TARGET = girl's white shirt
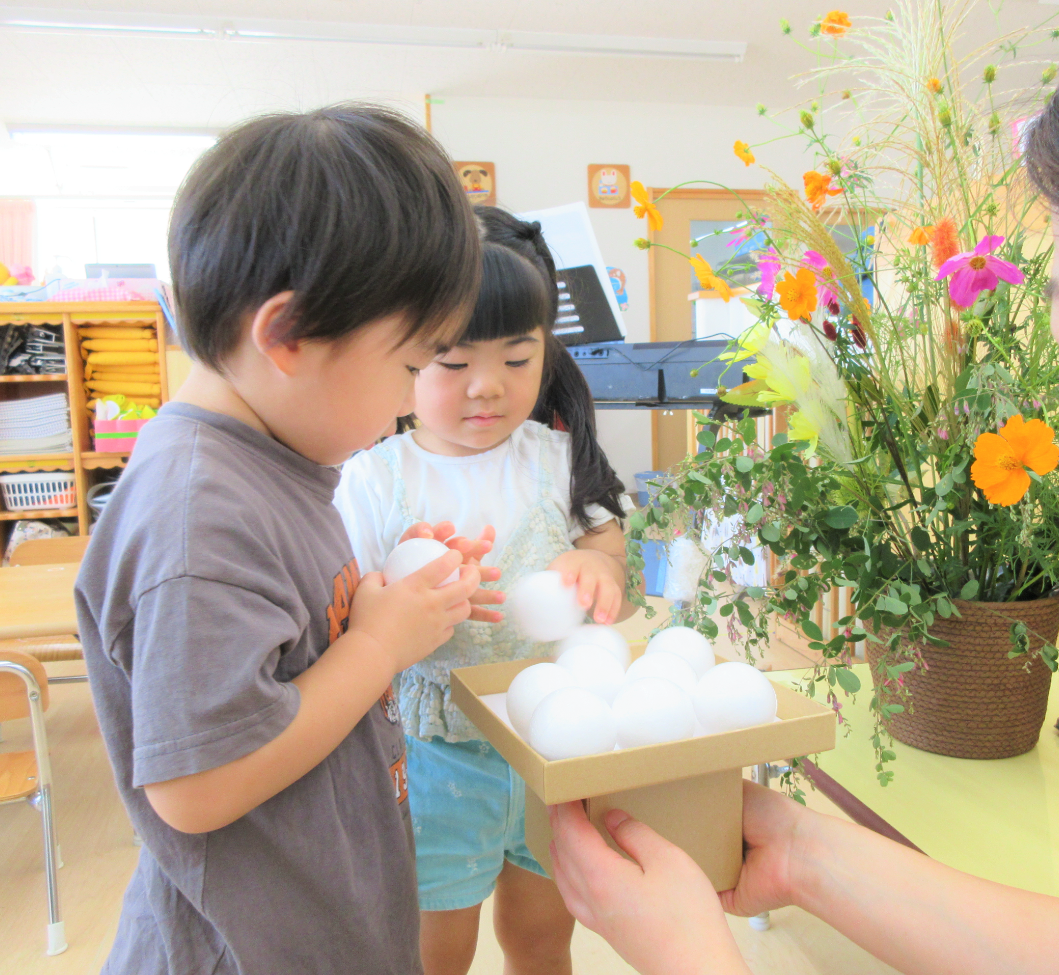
x: 491, y: 488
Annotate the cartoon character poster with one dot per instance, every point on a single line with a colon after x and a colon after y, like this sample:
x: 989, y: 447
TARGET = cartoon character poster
x: 478, y: 180
x: 608, y: 186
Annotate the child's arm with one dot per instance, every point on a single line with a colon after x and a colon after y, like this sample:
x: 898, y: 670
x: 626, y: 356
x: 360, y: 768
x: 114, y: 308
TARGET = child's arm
x: 597, y: 567
x: 390, y: 628
x: 912, y: 912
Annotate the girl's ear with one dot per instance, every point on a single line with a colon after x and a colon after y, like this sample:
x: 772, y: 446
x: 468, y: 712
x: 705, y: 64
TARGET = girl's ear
x: 267, y: 328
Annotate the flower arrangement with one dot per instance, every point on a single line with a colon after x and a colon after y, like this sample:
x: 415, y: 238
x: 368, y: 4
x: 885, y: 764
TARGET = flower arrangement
x: 914, y: 362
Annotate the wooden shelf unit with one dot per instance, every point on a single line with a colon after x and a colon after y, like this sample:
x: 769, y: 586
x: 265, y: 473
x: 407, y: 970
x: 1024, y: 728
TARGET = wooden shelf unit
x: 83, y: 461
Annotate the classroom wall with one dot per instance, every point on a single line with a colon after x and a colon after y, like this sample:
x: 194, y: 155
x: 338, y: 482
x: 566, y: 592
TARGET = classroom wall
x: 542, y: 148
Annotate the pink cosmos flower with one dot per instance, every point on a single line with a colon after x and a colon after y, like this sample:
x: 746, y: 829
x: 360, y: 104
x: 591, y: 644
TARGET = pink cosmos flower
x: 976, y: 271
x: 817, y: 262
x: 769, y: 266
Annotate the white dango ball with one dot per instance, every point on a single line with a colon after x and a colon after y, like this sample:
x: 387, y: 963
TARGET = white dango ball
x: 667, y: 666
x: 687, y: 643
x: 572, y: 722
x: 652, y: 710
x: 411, y: 556
x: 543, y: 608
x: 594, y: 669
x: 734, y: 695
x: 529, y: 688
x: 596, y: 635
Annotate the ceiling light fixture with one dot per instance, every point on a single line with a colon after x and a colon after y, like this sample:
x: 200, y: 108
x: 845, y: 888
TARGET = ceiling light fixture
x: 167, y: 25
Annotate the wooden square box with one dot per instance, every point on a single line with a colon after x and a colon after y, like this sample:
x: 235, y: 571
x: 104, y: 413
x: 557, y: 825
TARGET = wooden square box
x: 688, y: 791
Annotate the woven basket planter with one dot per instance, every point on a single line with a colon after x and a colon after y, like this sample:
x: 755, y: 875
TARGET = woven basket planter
x: 971, y: 701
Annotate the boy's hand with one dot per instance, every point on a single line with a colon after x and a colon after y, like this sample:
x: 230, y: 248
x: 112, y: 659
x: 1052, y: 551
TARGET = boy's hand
x: 410, y: 619
x: 473, y: 552
x: 593, y: 572
x: 660, y: 913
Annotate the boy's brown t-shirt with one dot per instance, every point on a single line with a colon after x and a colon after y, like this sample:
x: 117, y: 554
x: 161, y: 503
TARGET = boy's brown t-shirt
x: 218, y: 572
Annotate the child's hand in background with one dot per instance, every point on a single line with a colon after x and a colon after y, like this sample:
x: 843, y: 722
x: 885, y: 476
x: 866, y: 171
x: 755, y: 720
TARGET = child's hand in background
x: 473, y: 552
x: 595, y: 574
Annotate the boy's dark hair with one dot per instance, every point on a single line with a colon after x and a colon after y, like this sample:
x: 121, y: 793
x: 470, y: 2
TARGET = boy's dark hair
x: 352, y: 207
x: 518, y: 294
x: 1042, y: 152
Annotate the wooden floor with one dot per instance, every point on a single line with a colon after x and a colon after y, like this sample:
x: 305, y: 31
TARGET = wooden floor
x: 99, y: 857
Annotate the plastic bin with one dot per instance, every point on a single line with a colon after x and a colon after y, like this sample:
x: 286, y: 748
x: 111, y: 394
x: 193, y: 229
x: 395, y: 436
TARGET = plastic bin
x: 43, y: 489
x: 645, y: 493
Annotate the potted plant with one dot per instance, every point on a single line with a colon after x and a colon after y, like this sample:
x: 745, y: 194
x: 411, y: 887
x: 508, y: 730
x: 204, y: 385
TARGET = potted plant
x: 921, y: 382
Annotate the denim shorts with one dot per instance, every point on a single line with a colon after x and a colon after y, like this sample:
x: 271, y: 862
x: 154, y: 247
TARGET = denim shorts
x: 469, y: 814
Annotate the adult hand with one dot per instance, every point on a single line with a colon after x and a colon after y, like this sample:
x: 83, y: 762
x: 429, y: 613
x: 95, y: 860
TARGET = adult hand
x: 658, y: 911
x: 773, y: 829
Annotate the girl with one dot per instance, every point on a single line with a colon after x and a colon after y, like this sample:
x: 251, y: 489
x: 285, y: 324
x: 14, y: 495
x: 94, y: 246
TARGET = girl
x: 507, y: 442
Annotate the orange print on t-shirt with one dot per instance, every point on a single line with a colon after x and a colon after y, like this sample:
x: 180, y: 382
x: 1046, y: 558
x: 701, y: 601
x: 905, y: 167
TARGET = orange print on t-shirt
x: 345, y: 584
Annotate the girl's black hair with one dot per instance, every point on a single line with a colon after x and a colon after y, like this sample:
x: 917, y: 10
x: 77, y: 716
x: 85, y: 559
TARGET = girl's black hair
x: 518, y: 294
x: 1042, y: 152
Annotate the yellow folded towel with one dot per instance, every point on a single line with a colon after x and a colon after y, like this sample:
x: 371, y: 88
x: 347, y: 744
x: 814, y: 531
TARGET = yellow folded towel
x: 127, y: 387
x: 115, y: 332
x: 120, y: 345
x: 121, y: 358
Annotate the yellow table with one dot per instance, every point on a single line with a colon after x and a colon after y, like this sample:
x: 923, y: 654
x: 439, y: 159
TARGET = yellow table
x: 996, y: 819
x: 37, y: 600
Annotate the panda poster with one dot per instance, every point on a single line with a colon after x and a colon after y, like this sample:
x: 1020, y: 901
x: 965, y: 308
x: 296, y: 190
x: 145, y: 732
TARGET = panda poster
x: 608, y: 186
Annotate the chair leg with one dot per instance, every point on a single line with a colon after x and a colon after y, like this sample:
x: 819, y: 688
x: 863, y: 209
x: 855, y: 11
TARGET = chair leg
x: 56, y: 927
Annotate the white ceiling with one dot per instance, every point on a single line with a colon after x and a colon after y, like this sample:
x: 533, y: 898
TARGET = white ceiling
x: 210, y: 82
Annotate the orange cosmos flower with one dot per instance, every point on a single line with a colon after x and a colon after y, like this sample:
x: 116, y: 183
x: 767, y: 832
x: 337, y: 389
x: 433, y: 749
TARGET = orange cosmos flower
x: 742, y: 150
x: 945, y: 240
x: 709, y: 280
x: 818, y: 188
x: 1001, y: 459
x: 798, y: 293
x: 646, y: 206
x: 921, y: 235
x: 836, y: 23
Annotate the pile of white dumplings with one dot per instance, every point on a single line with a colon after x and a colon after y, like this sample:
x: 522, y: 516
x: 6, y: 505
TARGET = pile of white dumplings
x: 592, y: 700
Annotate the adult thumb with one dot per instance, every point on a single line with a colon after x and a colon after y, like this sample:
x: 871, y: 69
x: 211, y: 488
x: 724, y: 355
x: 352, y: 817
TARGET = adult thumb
x: 640, y: 842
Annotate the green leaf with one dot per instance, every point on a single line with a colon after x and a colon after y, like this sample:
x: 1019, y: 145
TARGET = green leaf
x: 944, y: 486
x: 755, y: 514
x: 779, y: 440
x: 888, y: 604
x: 746, y: 555
x: 842, y: 517
x: 755, y: 592
x: 707, y: 438
x: 811, y: 630
x: 770, y: 533
x: 920, y: 537
x: 744, y: 464
x: 969, y: 590
x: 848, y: 681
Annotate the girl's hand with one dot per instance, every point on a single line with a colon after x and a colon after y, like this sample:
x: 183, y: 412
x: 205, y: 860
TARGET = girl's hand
x: 473, y: 552
x: 595, y: 575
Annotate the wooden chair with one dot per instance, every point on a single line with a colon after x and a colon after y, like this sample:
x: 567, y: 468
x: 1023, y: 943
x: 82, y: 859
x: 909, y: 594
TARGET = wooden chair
x: 26, y: 776
x: 50, y: 551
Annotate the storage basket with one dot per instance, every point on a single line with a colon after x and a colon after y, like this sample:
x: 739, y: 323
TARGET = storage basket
x: 972, y: 700
x: 45, y: 489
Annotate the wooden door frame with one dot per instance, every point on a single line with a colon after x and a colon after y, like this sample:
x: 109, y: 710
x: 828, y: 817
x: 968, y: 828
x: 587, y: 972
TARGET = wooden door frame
x: 742, y: 198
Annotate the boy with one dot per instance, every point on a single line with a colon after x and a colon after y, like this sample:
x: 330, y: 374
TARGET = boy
x: 319, y: 261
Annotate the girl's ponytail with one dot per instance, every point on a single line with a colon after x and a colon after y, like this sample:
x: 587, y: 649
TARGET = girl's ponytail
x: 566, y: 403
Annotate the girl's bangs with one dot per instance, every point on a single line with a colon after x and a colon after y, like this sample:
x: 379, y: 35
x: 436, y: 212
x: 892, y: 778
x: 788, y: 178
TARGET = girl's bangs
x: 514, y: 298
